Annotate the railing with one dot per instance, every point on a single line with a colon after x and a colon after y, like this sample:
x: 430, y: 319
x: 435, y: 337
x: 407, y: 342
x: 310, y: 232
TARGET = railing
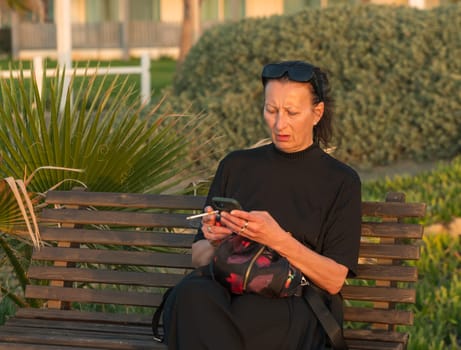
x: 42, y: 36
x: 143, y: 70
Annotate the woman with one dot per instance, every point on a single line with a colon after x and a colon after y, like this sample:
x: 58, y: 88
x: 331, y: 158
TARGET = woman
x: 294, y: 197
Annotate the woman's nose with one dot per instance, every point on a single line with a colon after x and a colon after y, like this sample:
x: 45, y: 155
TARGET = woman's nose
x: 280, y: 121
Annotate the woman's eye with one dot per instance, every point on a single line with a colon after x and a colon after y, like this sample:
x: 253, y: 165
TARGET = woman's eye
x: 292, y: 113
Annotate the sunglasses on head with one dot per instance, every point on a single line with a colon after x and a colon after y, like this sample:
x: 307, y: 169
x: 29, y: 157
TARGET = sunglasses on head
x: 294, y: 70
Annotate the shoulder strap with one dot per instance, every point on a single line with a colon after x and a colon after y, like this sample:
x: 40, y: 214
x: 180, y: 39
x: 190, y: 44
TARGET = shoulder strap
x: 327, y: 320
x: 156, y: 317
x: 325, y: 317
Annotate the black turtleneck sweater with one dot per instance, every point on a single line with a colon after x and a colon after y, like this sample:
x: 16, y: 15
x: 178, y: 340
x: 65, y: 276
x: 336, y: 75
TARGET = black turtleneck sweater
x: 311, y: 194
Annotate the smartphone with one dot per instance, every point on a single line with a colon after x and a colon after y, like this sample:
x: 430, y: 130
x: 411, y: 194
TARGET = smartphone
x: 225, y: 204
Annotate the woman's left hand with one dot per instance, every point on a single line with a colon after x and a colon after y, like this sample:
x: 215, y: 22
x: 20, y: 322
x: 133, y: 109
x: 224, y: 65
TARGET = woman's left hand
x: 258, y: 226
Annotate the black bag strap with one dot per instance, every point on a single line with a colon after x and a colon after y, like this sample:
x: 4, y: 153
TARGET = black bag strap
x: 325, y: 317
x: 156, y: 317
x: 199, y: 271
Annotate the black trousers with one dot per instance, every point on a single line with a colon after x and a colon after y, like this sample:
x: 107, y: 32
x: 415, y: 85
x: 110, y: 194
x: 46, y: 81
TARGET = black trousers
x: 200, y: 314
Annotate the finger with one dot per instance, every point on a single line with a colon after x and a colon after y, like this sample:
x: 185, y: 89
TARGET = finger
x: 241, y: 214
x: 239, y: 218
x: 237, y: 225
x: 209, y: 219
x: 215, y: 232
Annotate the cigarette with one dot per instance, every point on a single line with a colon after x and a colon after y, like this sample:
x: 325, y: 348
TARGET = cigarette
x: 202, y: 215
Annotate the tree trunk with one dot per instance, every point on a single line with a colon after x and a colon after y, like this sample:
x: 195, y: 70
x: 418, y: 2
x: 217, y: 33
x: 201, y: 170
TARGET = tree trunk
x: 190, y: 27
x: 125, y: 23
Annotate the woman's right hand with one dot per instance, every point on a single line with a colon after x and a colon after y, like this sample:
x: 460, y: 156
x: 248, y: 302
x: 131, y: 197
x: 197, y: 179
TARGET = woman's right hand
x: 204, y: 249
x: 212, y: 229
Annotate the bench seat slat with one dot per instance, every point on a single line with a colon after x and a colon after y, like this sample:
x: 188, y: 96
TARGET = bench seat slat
x: 84, y: 295
x: 373, y: 345
x: 119, y: 257
x: 387, y: 272
x: 127, y: 200
x: 99, y: 331
x: 132, y: 238
x: 68, y: 337
x: 116, y: 218
x: 384, y: 294
x: 389, y: 251
x: 150, y: 279
x: 24, y: 346
x: 84, y: 316
x: 80, y: 326
x: 363, y: 314
x: 392, y: 230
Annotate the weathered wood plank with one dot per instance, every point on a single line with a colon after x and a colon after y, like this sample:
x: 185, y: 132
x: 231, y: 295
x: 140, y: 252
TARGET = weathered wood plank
x: 387, y: 272
x: 386, y: 294
x: 150, y: 279
x: 105, y: 340
x: 393, y: 209
x: 392, y: 317
x: 156, y: 238
x: 126, y: 200
x: 119, y: 257
x: 116, y: 218
x: 392, y: 230
x: 378, y: 334
x: 80, y: 326
x: 131, y: 238
x: 389, y: 251
x: 373, y: 345
x: 101, y: 296
x: 84, y: 316
x: 24, y: 346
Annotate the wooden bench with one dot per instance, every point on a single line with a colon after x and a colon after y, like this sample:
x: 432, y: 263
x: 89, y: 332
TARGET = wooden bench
x: 109, y: 256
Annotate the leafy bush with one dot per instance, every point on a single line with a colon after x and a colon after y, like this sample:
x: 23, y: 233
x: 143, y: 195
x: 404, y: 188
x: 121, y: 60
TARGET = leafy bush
x: 438, y: 303
x: 395, y: 74
x: 440, y: 189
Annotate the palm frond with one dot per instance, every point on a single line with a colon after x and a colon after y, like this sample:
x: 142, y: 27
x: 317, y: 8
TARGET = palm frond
x: 15, y: 263
x: 121, y: 145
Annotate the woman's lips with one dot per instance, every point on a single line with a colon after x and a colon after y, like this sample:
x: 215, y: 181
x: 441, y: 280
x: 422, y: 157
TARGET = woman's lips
x: 282, y: 138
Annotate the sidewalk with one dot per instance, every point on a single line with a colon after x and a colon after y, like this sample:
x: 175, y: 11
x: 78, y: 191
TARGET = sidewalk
x: 400, y: 168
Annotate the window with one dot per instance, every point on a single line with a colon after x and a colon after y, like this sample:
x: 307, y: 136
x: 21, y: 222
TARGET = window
x: 292, y: 6
x: 145, y: 10
x: 209, y: 10
x: 234, y: 9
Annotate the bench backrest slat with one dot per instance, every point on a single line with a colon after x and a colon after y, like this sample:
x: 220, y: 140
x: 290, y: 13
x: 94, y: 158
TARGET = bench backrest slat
x: 116, y: 257
x: 386, y: 294
x: 393, y: 209
x: 391, y: 230
x: 105, y: 296
x: 129, y: 238
x: 105, y: 217
x: 389, y: 251
x: 388, y: 272
x: 362, y: 314
x: 125, y: 200
x: 149, y: 279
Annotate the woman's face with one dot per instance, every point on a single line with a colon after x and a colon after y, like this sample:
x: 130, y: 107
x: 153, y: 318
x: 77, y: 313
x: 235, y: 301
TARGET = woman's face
x: 290, y: 114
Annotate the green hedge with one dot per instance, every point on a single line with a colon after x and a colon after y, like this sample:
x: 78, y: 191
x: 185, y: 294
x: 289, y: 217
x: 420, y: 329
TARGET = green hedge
x: 395, y: 71
x: 440, y: 189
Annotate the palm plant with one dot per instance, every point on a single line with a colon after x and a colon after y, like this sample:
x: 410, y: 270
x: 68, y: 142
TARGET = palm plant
x: 116, y: 146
